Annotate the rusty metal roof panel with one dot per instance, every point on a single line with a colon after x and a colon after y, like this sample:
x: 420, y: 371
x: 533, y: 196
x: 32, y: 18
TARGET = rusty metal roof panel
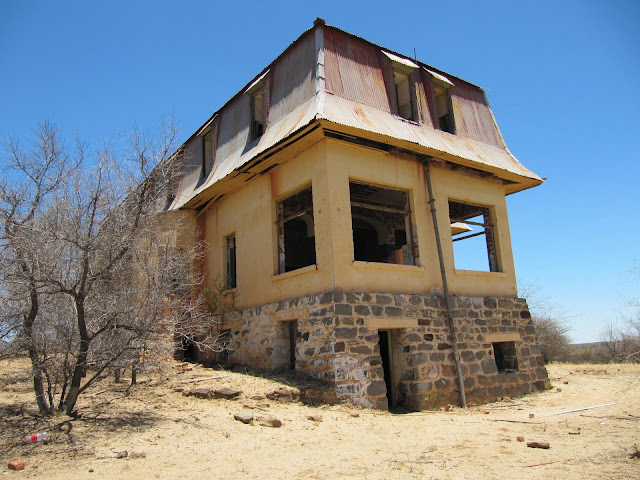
x: 347, y: 112
x: 354, y: 70
x: 300, y: 117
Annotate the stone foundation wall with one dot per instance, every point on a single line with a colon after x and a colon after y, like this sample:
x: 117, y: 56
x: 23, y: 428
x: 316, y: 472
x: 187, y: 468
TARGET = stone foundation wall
x: 337, y: 339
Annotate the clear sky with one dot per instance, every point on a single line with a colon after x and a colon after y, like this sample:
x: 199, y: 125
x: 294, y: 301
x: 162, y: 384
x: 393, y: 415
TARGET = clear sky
x: 562, y: 78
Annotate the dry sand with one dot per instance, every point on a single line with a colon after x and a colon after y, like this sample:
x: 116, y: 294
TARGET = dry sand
x: 170, y: 436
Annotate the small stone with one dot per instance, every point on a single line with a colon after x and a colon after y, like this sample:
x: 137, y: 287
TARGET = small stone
x: 270, y: 422
x: 200, y: 392
x: 16, y: 465
x: 157, y: 406
x: 633, y: 451
x: 531, y: 415
x: 122, y: 454
x: 558, y: 389
x: 486, y: 412
x: 263, y: 405
x: 544, y: 445
x: 355, y: 415
x: 91, y: 470
x: 138, y: 455
x: 244, y: 416
x: 257, y: 397
x: 520, y: 438
x: 566, y: 382
x: 226, y: 393
x: 314, y: 418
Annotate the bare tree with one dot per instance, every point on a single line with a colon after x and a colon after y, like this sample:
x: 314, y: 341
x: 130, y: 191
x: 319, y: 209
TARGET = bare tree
x: 549, y: 322
x: 89, y: 278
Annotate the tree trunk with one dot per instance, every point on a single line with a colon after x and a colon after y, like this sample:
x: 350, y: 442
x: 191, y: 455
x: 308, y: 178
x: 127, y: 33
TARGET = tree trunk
x: 134, y: 374
x: 36, y: 368
x: 81, y: 362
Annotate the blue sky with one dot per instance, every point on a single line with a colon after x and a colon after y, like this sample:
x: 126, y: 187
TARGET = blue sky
x: 561, y: 76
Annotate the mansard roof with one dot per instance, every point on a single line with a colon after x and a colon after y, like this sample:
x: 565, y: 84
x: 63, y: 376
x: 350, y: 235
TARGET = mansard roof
x: 336, y: 84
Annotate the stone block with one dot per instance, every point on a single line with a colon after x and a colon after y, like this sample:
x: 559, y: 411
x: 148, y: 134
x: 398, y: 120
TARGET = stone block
x: 227, y: 393
x: 424, y: 322
x: 444, y: 346
x: 412, y: 338
x: 393, y: 311
x: 342, y: 309
x: 345, y: 333
x: 490, y: 302
x: 16, y: 465
x: 362, y: 310
x: 244, y: 416
x: 376, y: 310
x: 339, y: 347
x: 525, y: 314
x: 489, y: 366
x: 428, y: 337
x: 384, y: 299
x: 377, y: 388
x: 415, y: 300
x: 349, y: 321
x: 352, y: 298
x: 505, y: 303
x: 418, y: 359
x: 361, y: 349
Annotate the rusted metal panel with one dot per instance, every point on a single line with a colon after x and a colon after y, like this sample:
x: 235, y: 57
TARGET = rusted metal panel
x: 346, y: 112
x: 293, y: 80
x: 354, y: 70
x: 472, y: 114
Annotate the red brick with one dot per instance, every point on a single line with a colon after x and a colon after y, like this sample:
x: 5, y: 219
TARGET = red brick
x: 16, y: 465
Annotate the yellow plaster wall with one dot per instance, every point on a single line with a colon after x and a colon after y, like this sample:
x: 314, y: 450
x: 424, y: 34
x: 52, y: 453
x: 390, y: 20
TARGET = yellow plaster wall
x: 250, y: 214
x: 449, y: 184
x: 328, y: 166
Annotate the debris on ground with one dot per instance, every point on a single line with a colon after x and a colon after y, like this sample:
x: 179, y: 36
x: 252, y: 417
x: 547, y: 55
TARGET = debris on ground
x: 16, y: 465
x: 244, y: 416
x: 544, y: 445
x: 634, y: 452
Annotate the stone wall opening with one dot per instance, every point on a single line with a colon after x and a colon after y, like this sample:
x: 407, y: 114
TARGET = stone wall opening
x: 505, y: 355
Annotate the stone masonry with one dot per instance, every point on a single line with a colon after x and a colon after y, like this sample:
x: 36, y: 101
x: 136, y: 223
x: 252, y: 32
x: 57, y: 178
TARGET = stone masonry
x: 337, y: 340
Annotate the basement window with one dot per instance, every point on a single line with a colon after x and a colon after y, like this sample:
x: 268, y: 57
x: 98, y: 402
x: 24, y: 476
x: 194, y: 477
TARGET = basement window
x: 296, y: 232
x: 473, y: 236
x: 230, y: 261
x: 381, y: 224
x: 207, y: 153
x: 505, y: 356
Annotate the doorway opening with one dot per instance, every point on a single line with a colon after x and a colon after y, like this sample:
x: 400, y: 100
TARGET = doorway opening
x: 291, y: 332
x: 386, y: 354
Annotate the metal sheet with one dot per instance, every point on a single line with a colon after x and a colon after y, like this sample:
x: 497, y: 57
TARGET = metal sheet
x: 403, y: 61
x: 346, y: 112
x: 442, y: 78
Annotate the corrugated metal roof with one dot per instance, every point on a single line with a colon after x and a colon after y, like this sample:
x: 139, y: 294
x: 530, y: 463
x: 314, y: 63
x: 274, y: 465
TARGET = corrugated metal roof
x: 359, y: 94
x: 347, y: 112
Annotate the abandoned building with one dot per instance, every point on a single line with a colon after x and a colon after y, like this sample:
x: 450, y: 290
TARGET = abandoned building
x: 352, y: 200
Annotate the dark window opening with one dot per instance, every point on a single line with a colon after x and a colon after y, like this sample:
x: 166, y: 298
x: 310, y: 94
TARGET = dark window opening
x: 505, y: 356
x: 381, y: 223
x: 257, y: 114
x: 296, y: 232
x: 230, y: 260
x: 207, y: 154
x: 472, y: 231
x: 404, y: 92
x: 443, y: 108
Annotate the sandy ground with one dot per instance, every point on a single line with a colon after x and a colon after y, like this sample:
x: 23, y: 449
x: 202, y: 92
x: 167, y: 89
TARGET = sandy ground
x: 171, y: 436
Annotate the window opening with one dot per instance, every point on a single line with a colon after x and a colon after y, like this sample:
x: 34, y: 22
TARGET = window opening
x: 257, y: 114
x: 443, y: 107
x: 469, y: 249
x: 207, y: 154
x: 505, y: 355
x: 296, y: 232
x: 230, y: 260
x: 381, y: 224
